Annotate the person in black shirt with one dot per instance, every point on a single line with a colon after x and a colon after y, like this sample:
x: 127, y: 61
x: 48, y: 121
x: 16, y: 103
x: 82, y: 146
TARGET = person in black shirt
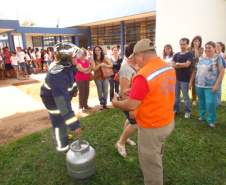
x: 182, y: 61
x: 114, y: 81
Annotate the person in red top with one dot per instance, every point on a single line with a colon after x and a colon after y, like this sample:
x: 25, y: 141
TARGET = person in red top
x: 82, y: 78
x: 8, y: 66
x: 152, y: 99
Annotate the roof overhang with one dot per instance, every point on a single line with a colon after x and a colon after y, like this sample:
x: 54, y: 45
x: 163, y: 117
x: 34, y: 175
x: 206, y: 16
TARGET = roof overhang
x: 55, y: 31
x: 4, y: 30
x: 119, y: 19
x: 8, y: 25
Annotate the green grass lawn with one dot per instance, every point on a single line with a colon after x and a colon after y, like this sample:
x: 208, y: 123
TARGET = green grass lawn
x: 194, y: 155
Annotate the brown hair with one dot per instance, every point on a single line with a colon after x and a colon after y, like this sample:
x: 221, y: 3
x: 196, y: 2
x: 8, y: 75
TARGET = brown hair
x: 199, y: 38
x: 222, y: 45
x: 101, y: 54
x: 211, y: 43
x: 129, y: 49
x: 114, y: 48
x: 167, y: 46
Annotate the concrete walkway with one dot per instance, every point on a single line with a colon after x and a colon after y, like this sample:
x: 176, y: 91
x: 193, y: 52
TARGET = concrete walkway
x: 13, y: 100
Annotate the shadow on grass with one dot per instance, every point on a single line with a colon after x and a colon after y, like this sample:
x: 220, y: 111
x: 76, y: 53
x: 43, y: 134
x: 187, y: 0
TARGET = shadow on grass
x: 194, y: 155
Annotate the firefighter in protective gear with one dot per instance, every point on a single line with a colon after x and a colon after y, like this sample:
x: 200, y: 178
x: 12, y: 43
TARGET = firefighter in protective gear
x: 57, y: 91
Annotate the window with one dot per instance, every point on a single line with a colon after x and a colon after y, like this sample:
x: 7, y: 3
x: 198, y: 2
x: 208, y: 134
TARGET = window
x: 135, y: 30
x: 106, y: 34
x: 37, y: 41
x: 140, y: 29
x: 49, y: 41
x: 66, y: 39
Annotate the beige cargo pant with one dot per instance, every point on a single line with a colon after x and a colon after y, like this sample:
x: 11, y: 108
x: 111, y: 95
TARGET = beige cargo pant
x: 150, y: 150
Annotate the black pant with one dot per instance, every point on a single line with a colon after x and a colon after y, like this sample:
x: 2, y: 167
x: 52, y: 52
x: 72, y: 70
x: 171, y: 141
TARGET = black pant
x: 114, y: 87
x: 83, y: 87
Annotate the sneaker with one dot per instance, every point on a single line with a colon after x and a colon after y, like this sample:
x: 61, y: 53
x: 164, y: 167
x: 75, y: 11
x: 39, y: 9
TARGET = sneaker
x: 121, y: 149
x: 187, y: 115
x: 201, y: 119
x: 70, y: 137
x: 131, y: 142
x: 194, y: 103
x: 212, y: 125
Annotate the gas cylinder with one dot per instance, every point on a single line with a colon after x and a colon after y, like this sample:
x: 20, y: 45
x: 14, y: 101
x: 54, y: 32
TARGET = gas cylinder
x: 80, y: 160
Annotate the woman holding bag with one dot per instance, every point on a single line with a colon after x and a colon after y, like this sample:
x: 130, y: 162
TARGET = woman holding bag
x: 102, y: 68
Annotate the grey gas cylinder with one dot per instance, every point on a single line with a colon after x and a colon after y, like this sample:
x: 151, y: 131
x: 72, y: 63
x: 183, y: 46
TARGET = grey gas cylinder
x: 80, y: 160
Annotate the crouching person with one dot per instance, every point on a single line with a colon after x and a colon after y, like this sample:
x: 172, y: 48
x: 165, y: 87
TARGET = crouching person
x: 56, y: 93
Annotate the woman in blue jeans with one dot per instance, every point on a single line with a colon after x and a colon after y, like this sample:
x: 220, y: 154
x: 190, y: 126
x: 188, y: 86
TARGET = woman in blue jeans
x: 208, y: 77
x: 99, y: 60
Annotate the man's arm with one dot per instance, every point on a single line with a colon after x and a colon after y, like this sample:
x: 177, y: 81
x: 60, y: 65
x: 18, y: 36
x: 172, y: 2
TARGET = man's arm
x: 183, y: 65
x: 127, y: 105
x: 138, y: 92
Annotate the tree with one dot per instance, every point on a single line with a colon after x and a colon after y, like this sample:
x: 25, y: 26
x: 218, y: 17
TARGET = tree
x: 28, y: 23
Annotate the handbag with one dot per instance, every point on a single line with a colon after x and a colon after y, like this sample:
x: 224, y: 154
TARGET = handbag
x: 91, y: 76
x: 107, y: 72
x: 116, y: 78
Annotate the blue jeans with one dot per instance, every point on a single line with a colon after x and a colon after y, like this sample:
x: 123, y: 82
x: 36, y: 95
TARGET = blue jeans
x: 114, y: 87
x: 207, y: 104
x: 184, y: 87
x: 219, y: 92
x: 102, y: 90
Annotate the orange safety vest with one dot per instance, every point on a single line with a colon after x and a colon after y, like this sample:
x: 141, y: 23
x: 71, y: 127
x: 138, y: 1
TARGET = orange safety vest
x: 157, y: 108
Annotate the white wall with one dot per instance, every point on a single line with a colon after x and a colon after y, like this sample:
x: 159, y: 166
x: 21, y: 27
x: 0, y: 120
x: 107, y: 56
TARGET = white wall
x: 187, y: 18
x: 17, y: 40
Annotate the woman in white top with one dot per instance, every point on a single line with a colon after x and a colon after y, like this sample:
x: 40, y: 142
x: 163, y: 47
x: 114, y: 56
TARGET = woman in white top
x: 127, y: 72
x: 168, y: 54
x: 33, y: 61
x: 14, y: 62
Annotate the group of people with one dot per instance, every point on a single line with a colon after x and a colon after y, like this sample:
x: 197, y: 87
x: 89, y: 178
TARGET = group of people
x: 201, y: 70
x: 145, y: 86
x: 22, y: 62
x: 141, y: 79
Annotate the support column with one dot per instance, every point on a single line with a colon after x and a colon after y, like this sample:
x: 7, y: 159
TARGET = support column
x: 77, y: 40
x: 89, y: 36
x: 42, y: 39
x: 24, y: 40
x: 55, y: 39
x: 122, y: 37
x: 11, y: 42
x: 73, y: 39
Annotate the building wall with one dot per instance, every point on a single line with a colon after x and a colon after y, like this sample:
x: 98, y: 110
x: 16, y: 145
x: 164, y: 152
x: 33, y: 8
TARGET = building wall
x: 176, y: 19
x: 29, y: 41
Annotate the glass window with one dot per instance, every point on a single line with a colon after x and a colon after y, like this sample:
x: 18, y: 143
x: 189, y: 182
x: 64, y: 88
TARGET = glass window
x: 135, y: 30
x: 37, y: 41
x: 106, y: 34
x: 66, y: 39
x: 49, y: 41
x: 140, y: 29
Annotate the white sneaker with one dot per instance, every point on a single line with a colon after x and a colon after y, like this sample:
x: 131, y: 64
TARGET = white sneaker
x: 121, y: 149
x: 187, y: 115
x: 200, y: 119
x: 131, y: 142
x: 212, y: 125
